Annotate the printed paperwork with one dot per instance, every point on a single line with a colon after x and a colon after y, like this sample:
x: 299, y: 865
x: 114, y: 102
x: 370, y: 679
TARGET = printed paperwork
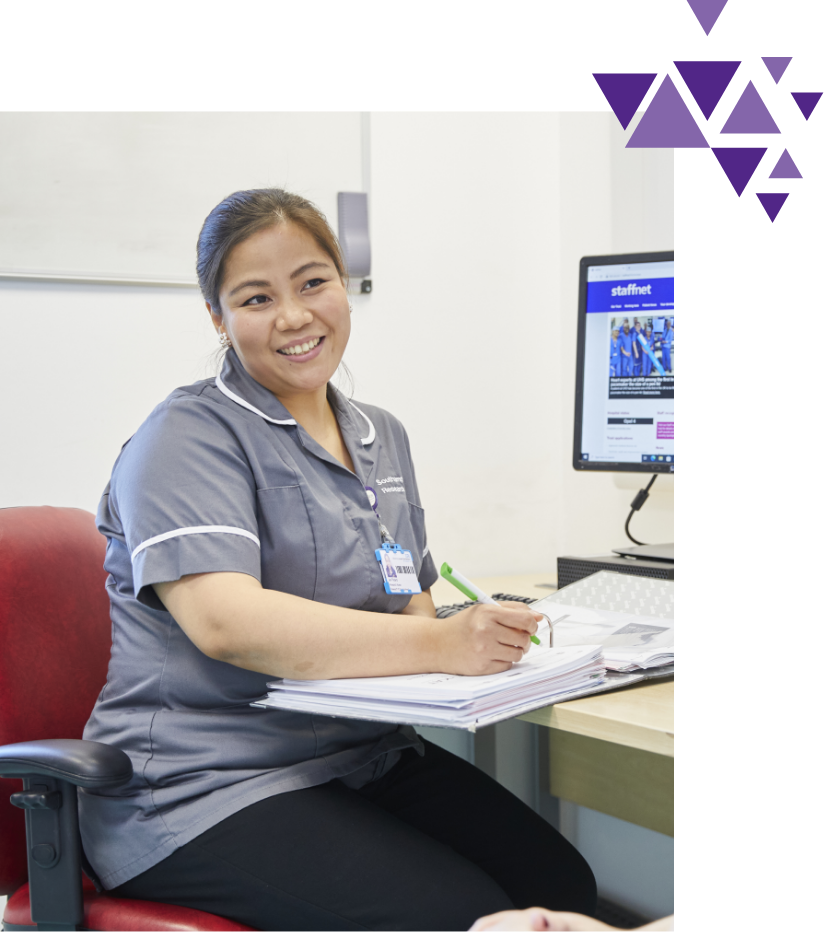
x: 610, y: 630
x: 544, y: 676
x: 629, y: 616
x: 628, y: 642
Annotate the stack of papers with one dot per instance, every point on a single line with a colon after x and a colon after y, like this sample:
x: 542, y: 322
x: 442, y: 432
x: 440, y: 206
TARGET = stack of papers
x: 543, y: 677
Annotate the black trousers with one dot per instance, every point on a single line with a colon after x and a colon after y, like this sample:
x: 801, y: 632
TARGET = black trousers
x: 433, y: 844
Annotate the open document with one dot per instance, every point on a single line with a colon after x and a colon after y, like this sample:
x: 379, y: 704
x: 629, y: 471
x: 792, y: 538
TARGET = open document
x: 630, y: 617
x: 628, y: 642
x: 544, y: 676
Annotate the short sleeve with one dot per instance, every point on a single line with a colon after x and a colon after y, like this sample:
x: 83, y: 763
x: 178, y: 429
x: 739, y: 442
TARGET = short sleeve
x: 184, y: 495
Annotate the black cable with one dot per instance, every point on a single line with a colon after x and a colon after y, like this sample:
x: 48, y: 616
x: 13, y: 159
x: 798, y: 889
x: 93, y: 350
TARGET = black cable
x: 637, y: 502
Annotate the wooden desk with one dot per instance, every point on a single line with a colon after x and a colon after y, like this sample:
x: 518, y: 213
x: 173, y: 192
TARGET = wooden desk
x: 613, y: 752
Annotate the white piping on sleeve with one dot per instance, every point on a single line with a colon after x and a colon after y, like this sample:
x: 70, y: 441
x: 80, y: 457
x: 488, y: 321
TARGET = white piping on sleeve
x: 371, y: 435
x: 203, y: 529
x: 425, y: 551
x: 245, y: 404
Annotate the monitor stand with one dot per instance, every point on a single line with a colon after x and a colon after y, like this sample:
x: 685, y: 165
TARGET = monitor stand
x: 663, y: 552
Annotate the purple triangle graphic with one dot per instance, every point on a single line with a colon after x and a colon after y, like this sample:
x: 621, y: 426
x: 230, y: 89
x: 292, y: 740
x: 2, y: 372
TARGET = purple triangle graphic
x: 785, y: 168
x: 739, y: 165
x: 806, y: 101
x: 776, y: 66
x: 624, y: 93
x: 707, y: 12
x: 772, y: 203
x: 667, y: 124
x: 750, y: 115
x: 707, y: 80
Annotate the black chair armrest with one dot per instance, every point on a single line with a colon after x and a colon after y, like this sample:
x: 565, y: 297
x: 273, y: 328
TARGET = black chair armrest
x: 89, y: 764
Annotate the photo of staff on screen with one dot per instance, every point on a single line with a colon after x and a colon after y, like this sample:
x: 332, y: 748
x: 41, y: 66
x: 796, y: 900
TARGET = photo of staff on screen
x: 641, y: 346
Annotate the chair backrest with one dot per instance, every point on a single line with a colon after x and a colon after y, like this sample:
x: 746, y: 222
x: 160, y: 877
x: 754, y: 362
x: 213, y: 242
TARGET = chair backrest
x: 55, y: 637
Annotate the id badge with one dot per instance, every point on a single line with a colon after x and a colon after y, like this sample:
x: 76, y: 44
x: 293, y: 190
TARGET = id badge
x: 398, y: 569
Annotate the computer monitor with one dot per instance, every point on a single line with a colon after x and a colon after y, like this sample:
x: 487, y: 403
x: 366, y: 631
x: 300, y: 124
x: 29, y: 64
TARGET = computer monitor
x: 625, y: 376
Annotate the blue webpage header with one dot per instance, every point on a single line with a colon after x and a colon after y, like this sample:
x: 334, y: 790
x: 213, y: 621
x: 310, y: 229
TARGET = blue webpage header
x: 631, y: 294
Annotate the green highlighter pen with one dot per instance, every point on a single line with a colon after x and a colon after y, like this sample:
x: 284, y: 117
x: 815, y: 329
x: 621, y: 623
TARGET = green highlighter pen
x: 470, y: 590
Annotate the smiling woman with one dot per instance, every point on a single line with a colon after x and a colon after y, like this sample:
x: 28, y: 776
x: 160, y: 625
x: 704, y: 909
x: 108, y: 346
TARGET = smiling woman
x: 243, y: 541
x: 284, y: 308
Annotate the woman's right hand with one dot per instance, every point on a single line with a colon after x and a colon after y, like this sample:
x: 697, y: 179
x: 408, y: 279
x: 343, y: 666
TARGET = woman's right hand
x: 486, y: 638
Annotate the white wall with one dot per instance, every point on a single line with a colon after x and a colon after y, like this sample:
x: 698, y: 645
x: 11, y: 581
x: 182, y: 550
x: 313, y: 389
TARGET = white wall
x: 459, y: 332
x: 83, y: 366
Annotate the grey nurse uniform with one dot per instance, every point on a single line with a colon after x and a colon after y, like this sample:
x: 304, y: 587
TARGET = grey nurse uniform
x: 221, y: 478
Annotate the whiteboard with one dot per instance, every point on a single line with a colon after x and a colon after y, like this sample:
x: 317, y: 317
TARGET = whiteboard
x: 124, y: 195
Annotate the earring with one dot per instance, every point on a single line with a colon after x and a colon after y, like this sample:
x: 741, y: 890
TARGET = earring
x: 351, y: 309
x: 224, y: 339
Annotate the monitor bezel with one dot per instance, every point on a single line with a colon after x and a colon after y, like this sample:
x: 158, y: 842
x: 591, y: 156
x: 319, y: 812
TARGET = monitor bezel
x: 586, y: 262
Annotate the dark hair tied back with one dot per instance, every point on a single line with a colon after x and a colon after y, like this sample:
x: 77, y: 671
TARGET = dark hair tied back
x: 241, y: 215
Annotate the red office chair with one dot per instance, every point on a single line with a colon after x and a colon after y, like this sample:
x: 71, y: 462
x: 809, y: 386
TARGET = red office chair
x: 55, y: 636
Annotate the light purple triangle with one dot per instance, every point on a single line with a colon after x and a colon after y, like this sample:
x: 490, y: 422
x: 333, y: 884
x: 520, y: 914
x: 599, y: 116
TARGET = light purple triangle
x: 785, y: 168
x: 707, y: 12
x: 772, y: 203
x: 667, y: 124
x: 776, y: 66
x: 806, y: 100
x: 750, y: 115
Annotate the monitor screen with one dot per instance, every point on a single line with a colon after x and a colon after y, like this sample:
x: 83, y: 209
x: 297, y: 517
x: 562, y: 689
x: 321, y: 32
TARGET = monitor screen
x: 625, y: 377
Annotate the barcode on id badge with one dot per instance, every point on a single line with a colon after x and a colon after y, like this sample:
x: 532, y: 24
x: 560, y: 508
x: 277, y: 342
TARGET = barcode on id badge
x: 405, y: 569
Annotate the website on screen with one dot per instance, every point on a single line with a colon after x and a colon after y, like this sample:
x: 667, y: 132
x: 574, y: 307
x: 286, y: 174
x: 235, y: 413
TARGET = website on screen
x: 629, y: 364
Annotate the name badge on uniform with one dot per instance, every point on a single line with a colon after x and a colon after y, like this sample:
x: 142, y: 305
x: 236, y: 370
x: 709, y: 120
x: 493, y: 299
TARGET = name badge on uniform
x: 398, y: 569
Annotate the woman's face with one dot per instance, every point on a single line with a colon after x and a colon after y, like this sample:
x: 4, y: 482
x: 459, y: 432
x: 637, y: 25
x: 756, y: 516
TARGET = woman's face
x: 285, y: 309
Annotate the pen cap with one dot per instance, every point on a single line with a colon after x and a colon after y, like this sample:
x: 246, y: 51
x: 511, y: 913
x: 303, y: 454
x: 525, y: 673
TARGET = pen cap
x: 459, y: 581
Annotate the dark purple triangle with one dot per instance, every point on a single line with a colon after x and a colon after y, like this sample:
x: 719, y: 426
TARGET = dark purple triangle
x: 739, y: 165
x: 707, y: 80
x: 806, y: 101
x: 624, y: 93
x: 772, y: 203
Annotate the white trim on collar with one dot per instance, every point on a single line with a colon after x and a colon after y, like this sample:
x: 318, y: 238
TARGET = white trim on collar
x: 245, y: 404
x: 369, y: 438
x: 371, y: 435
